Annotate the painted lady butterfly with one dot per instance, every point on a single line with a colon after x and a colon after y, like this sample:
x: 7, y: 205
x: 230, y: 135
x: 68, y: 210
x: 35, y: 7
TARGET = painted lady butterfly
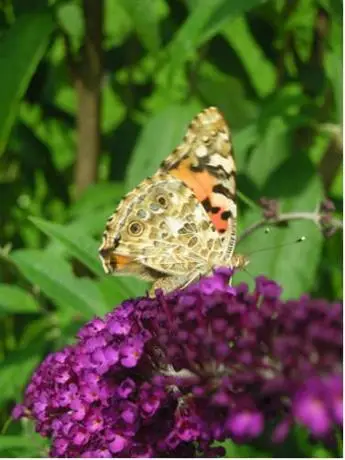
x: 178, y: 224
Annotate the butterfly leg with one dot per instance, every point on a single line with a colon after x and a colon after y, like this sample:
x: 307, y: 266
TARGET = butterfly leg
x: 168, y: 284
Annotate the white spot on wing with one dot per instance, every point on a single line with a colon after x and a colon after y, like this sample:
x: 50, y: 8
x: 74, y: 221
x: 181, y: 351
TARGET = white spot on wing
x: 201, y: 151
x: 227, y: 163
x: 199, y: 213
x: 223, y: 202
x: 217, y: 199
x: 174, y: 224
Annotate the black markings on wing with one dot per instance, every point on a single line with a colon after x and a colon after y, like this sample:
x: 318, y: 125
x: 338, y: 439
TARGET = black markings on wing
x: 208, y: 206
x: 226, y: 214
x: 219, y: 188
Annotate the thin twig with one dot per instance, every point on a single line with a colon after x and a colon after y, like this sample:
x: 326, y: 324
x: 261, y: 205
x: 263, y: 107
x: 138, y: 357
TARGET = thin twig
x: 286, y: 217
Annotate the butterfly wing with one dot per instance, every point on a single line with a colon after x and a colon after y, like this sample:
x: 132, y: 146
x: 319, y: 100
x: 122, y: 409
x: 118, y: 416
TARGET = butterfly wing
x: 180, y: 222
x: 160, y: 229
x: 205, y: 163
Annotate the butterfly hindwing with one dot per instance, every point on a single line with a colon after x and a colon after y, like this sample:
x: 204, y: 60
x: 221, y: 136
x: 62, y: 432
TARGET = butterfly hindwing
x: 162, y: 226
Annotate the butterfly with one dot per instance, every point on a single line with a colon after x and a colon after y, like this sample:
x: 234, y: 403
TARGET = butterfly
x: 180, y: 223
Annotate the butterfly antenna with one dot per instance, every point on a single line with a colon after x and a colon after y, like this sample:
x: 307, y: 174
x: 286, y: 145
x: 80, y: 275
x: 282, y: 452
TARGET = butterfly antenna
x: 301, y: 239
x: 248, y: 273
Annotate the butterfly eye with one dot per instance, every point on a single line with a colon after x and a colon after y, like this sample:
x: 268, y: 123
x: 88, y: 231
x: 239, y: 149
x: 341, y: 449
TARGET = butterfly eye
x: 162, y: 200
x: 135, y: 228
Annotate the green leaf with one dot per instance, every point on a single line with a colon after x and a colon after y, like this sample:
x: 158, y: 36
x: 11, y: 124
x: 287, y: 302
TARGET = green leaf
x: 98, y: 196
x: 243, y: 140
x: 207, y: 18
x: 21, y: 49
x: 279, y: 115
x: 270, y: 152
x: 70, y: 17
x: 337, y: 185
x: 93, y: 223
x: 333, y: 64
x: 286, y: 103
x: 37, y: 331
x: 14, y: 299
x: 117, y: 24
x: 300, y: 24
x: 145, y: 15
x: 320, y: 451
x: 228, y: 94
x: 162, y: 133
x: 77, y: 243
x: 293, y: 266
x: 16, y: 370
x: 233, y: 450
x: 55, y: 278
x: 187, y: 39
x: 252, y: 56
x: 22, y: 442
x: 117, y: 289
x: 225, y: 11
x: 85, y: 249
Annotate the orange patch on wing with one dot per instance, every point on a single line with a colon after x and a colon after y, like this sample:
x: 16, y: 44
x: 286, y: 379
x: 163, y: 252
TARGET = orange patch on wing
x: 218, y: 222
x: 202, y: 184
x: 121, y: 261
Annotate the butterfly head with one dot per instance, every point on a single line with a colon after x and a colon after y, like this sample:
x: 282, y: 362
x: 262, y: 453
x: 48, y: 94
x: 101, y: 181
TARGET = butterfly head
x: 239, y: 261
x: 106, y: 253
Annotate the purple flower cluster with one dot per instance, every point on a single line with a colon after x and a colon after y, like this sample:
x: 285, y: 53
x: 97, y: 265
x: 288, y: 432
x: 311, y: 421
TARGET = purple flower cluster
x: 168, y: 376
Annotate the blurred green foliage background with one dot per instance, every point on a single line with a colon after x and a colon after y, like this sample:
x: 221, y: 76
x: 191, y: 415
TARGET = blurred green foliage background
x: 94, y: 94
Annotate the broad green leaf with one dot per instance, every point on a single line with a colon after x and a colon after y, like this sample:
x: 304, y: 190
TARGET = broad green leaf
x: 14, y: 299
x: 271, y: 150
x: 16, y: 369
x: 278, y: 115
x: 243, y: 140
x: 112, y: 110
x: 300, y: 24
x: 228, y: 94
x: 117, y: 289
x: 145, y: 15
x: 30, y: 444
x: 294, y: 266
x: 319, y: 146
x: 70, y: 17
x: 94, y: 296
x: 85, y: 249
x: 37, y: 331
x: 252, y: 56
x: 188, y: 37
x: 225, y: 11
x: 54, y: 277
x: 234, y: 450
x: 98, y: 196
x: 66, y: 99
x: 337, y: 186
x: 93, y: 223
x: 320, y: 451
x: 21, y: 49
x: 206, y: 19
x: 52, y: 139
x: 333, y: 66
x: 286, y: 103
x: 162, y: 133
x: 77, y: 243
x: 117, y: 24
